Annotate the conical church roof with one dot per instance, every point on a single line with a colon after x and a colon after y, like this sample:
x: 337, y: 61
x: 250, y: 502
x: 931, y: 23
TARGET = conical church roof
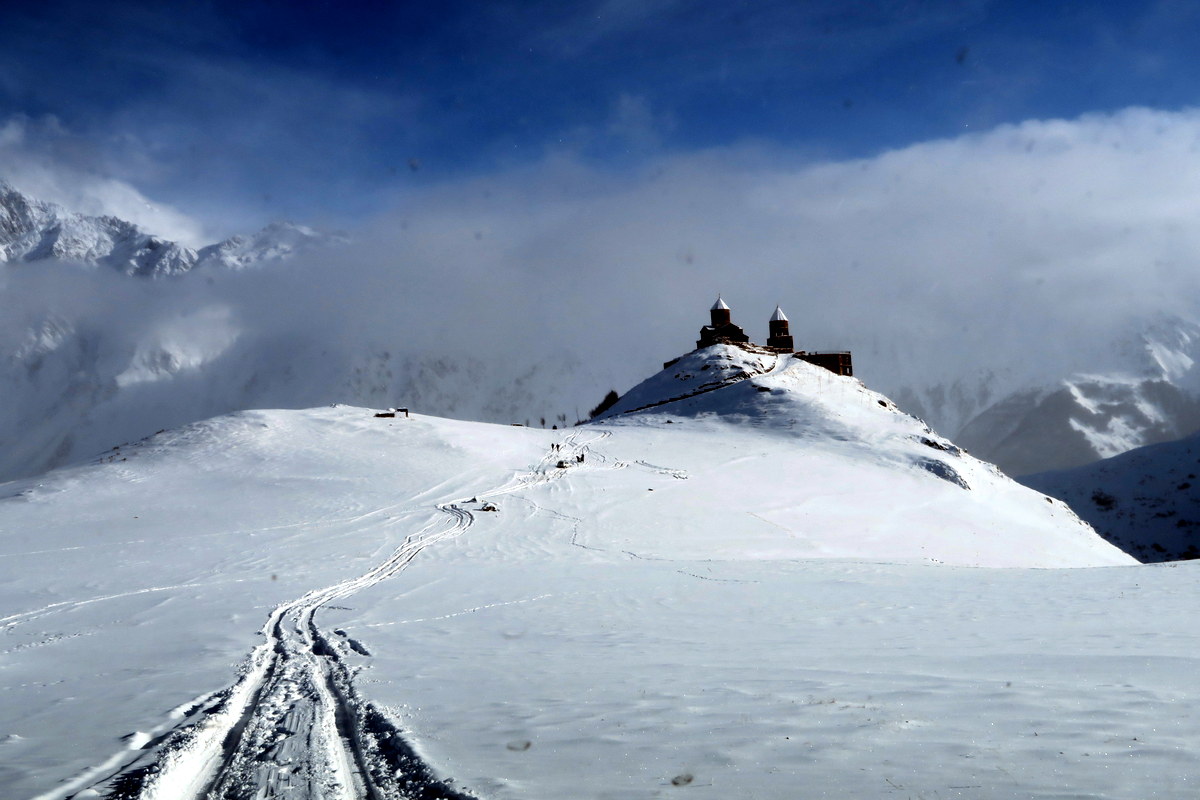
x: 719, y: 305
x: 779, y: 316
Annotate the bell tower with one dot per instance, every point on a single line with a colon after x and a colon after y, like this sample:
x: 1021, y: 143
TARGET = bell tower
x: 719, y: 313
x: 721, y: 329
x: 780, y: 338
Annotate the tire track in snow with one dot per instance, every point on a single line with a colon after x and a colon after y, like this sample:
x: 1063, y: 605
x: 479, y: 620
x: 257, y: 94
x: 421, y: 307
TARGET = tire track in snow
x: 293, y: 725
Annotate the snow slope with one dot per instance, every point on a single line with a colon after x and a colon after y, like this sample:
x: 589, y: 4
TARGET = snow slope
x: 1145, y: 501
x: 861, y: 444
x: 738, y: 593
x: 74, y: 390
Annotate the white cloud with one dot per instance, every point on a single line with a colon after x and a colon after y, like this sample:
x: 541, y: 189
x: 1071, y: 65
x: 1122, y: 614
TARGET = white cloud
x: 1023, y: 252
x: 1022, y: 248
x: 45, y: 160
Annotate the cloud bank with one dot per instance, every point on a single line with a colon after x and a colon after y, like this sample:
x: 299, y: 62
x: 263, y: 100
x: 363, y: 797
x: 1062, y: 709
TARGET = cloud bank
x: 934, y: 260
x: 1010, y: 257
x: 43, y: 159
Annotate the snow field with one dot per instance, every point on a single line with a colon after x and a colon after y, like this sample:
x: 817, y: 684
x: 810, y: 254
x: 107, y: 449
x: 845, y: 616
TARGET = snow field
x: 789, y: 679
x: 129, y: 588
x: 749, y: 599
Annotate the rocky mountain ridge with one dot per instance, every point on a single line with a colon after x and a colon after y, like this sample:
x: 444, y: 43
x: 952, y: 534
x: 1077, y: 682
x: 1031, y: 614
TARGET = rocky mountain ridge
x: 35, y: 231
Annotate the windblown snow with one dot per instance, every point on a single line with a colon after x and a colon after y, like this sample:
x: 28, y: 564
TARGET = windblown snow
x: 774, y: 584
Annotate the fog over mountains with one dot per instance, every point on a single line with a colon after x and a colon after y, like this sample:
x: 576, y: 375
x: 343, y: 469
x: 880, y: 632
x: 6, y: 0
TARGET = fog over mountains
x: 1140, y: 388
x: 110, y: 333
x: 454, y: 304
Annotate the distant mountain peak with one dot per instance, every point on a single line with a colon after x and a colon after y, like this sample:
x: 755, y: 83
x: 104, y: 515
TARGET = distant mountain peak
x: 278, y: 241
x: 33, y: 230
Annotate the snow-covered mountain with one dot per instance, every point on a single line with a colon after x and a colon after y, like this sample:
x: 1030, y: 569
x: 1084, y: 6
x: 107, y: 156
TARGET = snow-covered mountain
x: 278, y: 241
x: 744, y: 589
x: 1145, y: 501
x: 32, y: 231
x: 1036, y: 411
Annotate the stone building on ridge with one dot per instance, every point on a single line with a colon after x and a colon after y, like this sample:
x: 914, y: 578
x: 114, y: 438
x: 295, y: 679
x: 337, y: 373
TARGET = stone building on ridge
x: 780, y: 338
x: 722, y: 330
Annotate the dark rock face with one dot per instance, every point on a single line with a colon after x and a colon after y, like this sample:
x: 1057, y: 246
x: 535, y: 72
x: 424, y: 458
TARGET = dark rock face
x: 1145, y: 501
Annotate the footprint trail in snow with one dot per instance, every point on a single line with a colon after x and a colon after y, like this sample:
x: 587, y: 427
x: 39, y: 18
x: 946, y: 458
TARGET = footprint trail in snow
x: 294, y: 725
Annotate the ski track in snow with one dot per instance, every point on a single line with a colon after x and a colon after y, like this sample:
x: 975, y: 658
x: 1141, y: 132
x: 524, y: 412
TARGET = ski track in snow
x: 293, y: 725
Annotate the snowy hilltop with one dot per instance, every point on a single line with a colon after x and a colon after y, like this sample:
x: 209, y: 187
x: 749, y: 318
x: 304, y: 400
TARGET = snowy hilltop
x: 838, y: 440
x: 741, y: 580
x: 32, y: 230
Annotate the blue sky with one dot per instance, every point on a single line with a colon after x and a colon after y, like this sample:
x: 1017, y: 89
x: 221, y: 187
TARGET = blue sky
x: 239, y: 113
